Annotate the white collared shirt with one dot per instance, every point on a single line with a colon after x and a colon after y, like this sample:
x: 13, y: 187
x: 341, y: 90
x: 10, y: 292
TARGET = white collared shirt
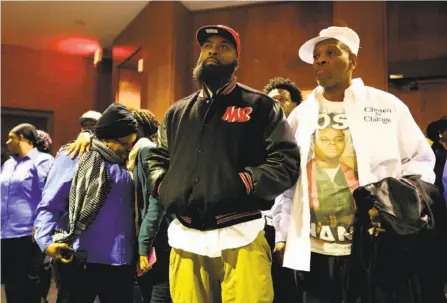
x: 211, y: 243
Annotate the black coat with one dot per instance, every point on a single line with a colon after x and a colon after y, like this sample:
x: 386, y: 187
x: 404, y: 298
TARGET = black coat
x: 403, y: 264
x: 204, y: 146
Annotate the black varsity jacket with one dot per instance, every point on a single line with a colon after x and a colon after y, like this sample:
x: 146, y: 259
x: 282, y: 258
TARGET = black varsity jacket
x: 220, y: 161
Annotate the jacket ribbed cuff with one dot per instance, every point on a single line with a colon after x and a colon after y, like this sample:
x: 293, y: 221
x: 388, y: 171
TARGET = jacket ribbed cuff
x: 248, y: 181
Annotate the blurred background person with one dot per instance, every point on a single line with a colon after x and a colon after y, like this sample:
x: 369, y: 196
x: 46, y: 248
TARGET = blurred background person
x: 289, y: 96
x: 46, y: 141
x: 286, y: 92
x: 89, y: 119
x: 22, y: 180
x: 154, y: 278
x: 46, y: 270
x: 437, y: 133
x: 147, y: 130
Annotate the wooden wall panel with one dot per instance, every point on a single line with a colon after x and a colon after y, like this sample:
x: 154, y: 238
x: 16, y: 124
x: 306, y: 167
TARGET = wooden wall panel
x: 159, y: 31
x: 50, y: 81
x: 417, y: 30
x: 427, y: 104
x: 182, y: 48
x: 132, y: 38
x: 271, y: 34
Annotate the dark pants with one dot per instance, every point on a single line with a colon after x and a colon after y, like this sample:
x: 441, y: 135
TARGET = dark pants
x: 153, y: 292
x: 154, y: 285
x: 79, y: 283
x: 45, y: 275
x: 21, y: 261
x: 284, y: 286
x: 324, y: 282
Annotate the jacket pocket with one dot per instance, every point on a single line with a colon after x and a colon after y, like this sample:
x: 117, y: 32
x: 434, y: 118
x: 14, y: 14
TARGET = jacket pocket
x: 227, y: 192
x: 174, y: 190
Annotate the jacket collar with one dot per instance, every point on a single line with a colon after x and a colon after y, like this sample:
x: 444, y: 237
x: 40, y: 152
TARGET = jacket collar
x: 224, y: 90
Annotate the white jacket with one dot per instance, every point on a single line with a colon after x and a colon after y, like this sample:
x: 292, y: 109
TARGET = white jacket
x: 387, y: 142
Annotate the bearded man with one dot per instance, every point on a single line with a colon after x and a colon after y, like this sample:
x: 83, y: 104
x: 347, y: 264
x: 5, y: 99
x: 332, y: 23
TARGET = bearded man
x: 223, y: 155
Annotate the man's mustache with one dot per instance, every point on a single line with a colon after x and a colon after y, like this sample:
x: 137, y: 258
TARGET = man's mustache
x: 211, y: 58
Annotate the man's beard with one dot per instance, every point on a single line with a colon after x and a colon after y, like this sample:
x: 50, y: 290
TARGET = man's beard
x: 213, y: 75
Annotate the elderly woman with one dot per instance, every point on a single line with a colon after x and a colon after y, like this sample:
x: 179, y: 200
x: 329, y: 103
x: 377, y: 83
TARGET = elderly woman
x: 22, y: 180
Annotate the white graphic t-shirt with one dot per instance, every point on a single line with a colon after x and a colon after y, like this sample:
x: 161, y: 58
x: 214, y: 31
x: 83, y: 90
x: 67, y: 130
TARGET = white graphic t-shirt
x: 332, y: 175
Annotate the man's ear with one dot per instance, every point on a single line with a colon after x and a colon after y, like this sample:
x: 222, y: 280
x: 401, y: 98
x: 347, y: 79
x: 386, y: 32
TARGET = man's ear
x: 237, y: 64
x: 353, y: 61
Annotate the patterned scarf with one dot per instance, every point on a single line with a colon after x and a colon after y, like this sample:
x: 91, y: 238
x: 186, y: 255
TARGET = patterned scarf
x: 89, y: 189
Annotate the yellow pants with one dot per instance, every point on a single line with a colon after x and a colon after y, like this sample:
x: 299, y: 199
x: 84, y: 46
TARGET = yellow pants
x: 240, y: 275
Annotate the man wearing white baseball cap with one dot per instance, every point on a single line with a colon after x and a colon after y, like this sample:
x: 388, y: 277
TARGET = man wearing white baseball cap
x: 89, y: 119
x: 341, y: 130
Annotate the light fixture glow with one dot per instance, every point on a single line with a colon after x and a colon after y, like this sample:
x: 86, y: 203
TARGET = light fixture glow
x: 396, y: 76
x: 98, y: 56
x: 140, y: 65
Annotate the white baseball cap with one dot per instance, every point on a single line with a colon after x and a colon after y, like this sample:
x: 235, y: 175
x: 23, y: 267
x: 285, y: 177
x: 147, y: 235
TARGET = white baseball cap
x: 343, y: 34
x: 90, y: 115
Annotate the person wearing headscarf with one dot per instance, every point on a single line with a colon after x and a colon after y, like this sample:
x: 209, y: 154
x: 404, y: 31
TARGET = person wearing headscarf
x: 87, y: 212
x: 153, y: 279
